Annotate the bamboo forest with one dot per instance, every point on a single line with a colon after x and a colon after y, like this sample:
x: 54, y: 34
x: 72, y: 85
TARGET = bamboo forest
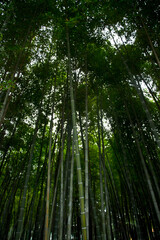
x: 79, y: 119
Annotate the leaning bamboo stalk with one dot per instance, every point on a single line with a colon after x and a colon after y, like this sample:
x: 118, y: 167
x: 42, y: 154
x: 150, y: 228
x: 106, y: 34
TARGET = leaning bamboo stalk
x: 46, y: 228
x: 21, y: 215
x: 128, y: 181
x: 86, y: 163
x: 69, y: 227
x: 62, y: 183
x: 98, y: 235
x: 155, y: 204
x: 54, y: 198
x: 137, y: 86
x: 8, y: 95
x: 106, y: 187
x: 150, y: 42
x: 148, y: 158
x: 57, y: 173
x: 101, y: 180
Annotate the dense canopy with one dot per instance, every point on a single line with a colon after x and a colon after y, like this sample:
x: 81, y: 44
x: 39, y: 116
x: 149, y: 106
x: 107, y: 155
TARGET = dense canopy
x: 79, y: 119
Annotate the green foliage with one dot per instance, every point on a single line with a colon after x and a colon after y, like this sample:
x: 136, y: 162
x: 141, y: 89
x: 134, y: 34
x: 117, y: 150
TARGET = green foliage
x: 34, y: 66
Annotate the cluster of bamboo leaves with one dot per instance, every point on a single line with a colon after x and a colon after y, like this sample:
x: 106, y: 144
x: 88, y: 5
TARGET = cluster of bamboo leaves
x: 79, y: 120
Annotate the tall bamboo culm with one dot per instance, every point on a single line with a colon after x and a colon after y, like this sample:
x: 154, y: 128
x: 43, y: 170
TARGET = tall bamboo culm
x: 69, y: 224
x: 75, y: 136
x: 86, y: 163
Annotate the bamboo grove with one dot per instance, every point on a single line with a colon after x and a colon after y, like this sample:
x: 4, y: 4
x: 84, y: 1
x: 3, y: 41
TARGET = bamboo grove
x: 79, y: 119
